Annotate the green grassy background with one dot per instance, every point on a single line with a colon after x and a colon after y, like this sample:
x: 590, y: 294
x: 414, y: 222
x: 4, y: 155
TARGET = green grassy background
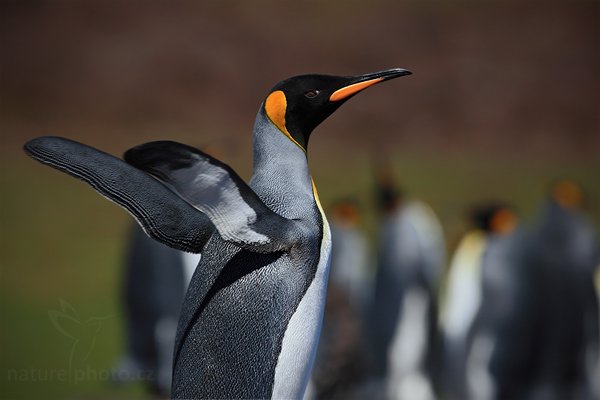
x: 63, y: 242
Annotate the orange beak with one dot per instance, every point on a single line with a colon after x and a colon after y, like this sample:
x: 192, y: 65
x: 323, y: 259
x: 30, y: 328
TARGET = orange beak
x: 360, y: 83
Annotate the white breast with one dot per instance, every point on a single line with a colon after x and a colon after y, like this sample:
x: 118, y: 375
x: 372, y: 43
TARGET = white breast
x: 301, y: 337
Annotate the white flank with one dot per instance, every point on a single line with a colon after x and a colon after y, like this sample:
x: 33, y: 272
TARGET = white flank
x: 463, y: 292
x: 190, y: 262
x: 405, y: 380
x: 479, y: 380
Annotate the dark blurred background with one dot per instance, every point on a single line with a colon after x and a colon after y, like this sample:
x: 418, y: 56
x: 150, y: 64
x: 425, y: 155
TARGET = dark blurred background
x: 504, y: 98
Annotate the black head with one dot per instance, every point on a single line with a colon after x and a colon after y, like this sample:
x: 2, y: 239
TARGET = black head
x: 494, y: 217
x: 387, y: 190
x: 297, y: 105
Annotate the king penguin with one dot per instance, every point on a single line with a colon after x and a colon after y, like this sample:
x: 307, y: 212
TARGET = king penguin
x: 251, y: 318
x: 486, y: 308
x: 411, y: 257
x: 564, y: 257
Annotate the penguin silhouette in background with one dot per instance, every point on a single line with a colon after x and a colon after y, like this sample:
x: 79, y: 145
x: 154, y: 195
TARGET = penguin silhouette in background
x: 155, y: 280
x: 564, y: 258
x: 341, y: 364
x: 350, y: 255
x: 485, y: 310
x: 460, y: 300
x: 594, y: 386
x: 411, y: 258
x: 536, y: 332
x: 251, y: 318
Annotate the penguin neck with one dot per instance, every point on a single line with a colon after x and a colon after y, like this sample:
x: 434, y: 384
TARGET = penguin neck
x: 279, y: 164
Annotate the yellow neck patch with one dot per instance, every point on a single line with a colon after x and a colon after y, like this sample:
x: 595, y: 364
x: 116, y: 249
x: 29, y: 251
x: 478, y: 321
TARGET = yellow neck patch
x: 275, y: 107
x: 326, y: 232
x: 314, y: 188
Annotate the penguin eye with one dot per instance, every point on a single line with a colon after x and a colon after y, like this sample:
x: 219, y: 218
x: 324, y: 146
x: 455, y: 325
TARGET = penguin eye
x: 311, y: 94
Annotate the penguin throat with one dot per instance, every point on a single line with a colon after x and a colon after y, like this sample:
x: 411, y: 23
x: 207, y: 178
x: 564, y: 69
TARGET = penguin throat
x: 275, y: 109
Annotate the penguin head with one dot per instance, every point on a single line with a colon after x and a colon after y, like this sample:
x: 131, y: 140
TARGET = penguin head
x: 298, y: 104
x: 346, y: 213
x: 567, y: 194
x: 390, y: 195
x: 495, y: 218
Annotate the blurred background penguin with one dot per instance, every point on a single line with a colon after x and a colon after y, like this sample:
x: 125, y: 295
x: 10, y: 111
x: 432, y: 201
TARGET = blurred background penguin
x: 519, y: 311
x: 482, y: 304
x: 155, y: 279
x: 411, y: 256
x: 341, y: 366
x: 564, y: 258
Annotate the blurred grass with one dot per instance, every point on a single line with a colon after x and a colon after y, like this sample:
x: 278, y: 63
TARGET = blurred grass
x: 61, y: 241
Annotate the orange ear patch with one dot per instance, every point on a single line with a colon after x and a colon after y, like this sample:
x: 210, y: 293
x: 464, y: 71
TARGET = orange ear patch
x: 503, y: 221
x: 567, y: 194
x: 275, y: 107
x: 349, y: 90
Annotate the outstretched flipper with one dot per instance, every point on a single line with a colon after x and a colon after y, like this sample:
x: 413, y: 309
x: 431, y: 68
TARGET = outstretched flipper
x: 163, y: 215
x: 214, y: 188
